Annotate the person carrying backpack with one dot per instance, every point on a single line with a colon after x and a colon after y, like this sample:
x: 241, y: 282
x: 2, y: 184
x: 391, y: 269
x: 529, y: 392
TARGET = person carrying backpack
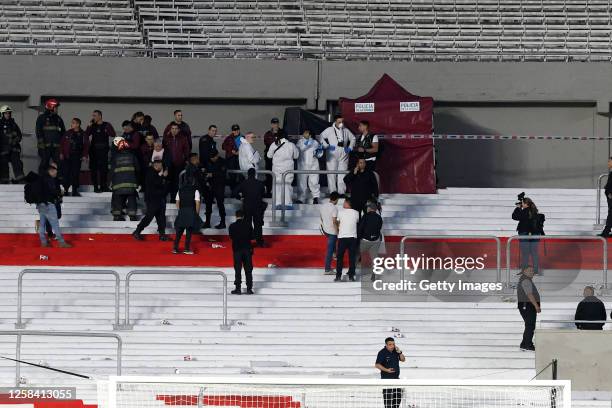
x: 45, y: 192
x: 531, y: 222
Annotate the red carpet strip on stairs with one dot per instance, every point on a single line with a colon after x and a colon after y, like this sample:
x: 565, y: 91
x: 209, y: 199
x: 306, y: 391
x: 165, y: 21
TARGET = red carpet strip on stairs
x: 284, y: 251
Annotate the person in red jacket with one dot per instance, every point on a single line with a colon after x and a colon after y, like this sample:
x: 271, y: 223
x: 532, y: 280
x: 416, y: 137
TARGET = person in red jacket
x: 178, y: 147
x: 74, y: 146
x: 230, y: 147
x: 183, y: 127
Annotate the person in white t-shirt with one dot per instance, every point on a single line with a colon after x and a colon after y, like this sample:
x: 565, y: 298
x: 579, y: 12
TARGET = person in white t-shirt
x: 347, y: 221
x: 329, y: 213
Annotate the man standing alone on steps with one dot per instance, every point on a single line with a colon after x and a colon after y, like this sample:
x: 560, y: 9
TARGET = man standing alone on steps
x: 240, y: 233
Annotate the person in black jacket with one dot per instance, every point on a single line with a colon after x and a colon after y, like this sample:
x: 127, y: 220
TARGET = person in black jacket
x: 529, y: 306
x: 155, y: 199
x: 253, y: 205
x: 49, y: 195
x: 530, y: 223
x: 206, y: 145
x: 74, y: 147
x: 608, y: 192
x: 590, y: 308
x: 215, y: 188
x: 363, y: 185
x: 101, y: 134
x: 369, y: 234
x: 10, y: 147
x: 241, y: 233
x: 188, y: 204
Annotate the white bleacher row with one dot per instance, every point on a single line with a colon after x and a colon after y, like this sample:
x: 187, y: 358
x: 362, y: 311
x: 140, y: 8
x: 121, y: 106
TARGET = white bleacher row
x: 68, y: 26
x: 453, y: 211
x: 441, y: 30
x: 351, y: 29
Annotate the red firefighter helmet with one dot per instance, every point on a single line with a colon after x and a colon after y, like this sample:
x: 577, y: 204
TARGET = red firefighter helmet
x: 50, y: 104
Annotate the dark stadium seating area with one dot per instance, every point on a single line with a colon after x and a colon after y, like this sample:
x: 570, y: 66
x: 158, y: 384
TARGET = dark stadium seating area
x: 440, y: 30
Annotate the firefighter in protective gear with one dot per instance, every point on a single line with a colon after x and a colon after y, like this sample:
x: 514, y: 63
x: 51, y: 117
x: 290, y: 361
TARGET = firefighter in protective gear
x: 124, y: 171
x: 309, y: 149
x: 338, y: 142
x: 283, y: 153
x: 49, y: 131
x: 10, y: 147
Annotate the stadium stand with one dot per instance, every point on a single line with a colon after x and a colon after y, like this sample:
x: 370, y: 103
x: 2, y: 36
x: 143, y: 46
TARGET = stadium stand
x: 69, y: 27
x: 453, y: 211
x: 441, y: 30
x: 299, y: 323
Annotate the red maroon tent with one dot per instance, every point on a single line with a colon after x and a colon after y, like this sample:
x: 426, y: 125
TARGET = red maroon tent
x: 404, y: 165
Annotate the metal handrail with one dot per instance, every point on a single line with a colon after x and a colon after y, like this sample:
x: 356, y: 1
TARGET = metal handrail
x: 20, y: 333
x: 21, y: 325
x: 283, y: 221
x: 270, y: 172
x: 128, y: 326
x: 598, y: 204
x: 603, y: 241
x: 490, y: 237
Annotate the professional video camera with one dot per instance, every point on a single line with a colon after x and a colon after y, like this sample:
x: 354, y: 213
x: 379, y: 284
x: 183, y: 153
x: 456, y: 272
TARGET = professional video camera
x: 520, y: 198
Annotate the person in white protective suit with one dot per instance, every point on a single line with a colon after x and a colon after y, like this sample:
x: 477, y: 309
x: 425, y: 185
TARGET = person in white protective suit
x: 338, y: 142
x: 248, y: 156
x: 283, y: 153
x: 310, y: 152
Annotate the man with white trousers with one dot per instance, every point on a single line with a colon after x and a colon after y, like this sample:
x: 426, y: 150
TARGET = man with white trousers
x: 283, y: 153
x: 248, y: 157
x: 338, y: 141
x: 310, y: 151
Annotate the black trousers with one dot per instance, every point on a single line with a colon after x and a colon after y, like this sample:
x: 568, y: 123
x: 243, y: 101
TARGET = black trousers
x: 98, y: 165
x: 71, y: 169
x: 256, y: 219
x: 214, y: 195
x: 268, y: 182
x: 232, y: 178
x: 179, y: 235
x: 392, y: 397
x: 157, y: 210
x: 609, y: 218
x: 243, y: 258
x: 173, y: 180
x: 118, y: 201
x: 529, y: 315
x: 12, y: 157
x: 48, y: 154
x: 350, y: 245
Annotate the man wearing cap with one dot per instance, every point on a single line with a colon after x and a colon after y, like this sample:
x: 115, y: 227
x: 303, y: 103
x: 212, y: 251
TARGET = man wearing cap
x: 230, y: 145
x: 338, y: 142
x: 248, y: 156
x: 49, y: 130
x: 10, y: 147
x: 269, y: 138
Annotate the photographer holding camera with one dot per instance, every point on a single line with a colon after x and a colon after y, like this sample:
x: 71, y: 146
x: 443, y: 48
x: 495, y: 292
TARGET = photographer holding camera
x: 531, y: 222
